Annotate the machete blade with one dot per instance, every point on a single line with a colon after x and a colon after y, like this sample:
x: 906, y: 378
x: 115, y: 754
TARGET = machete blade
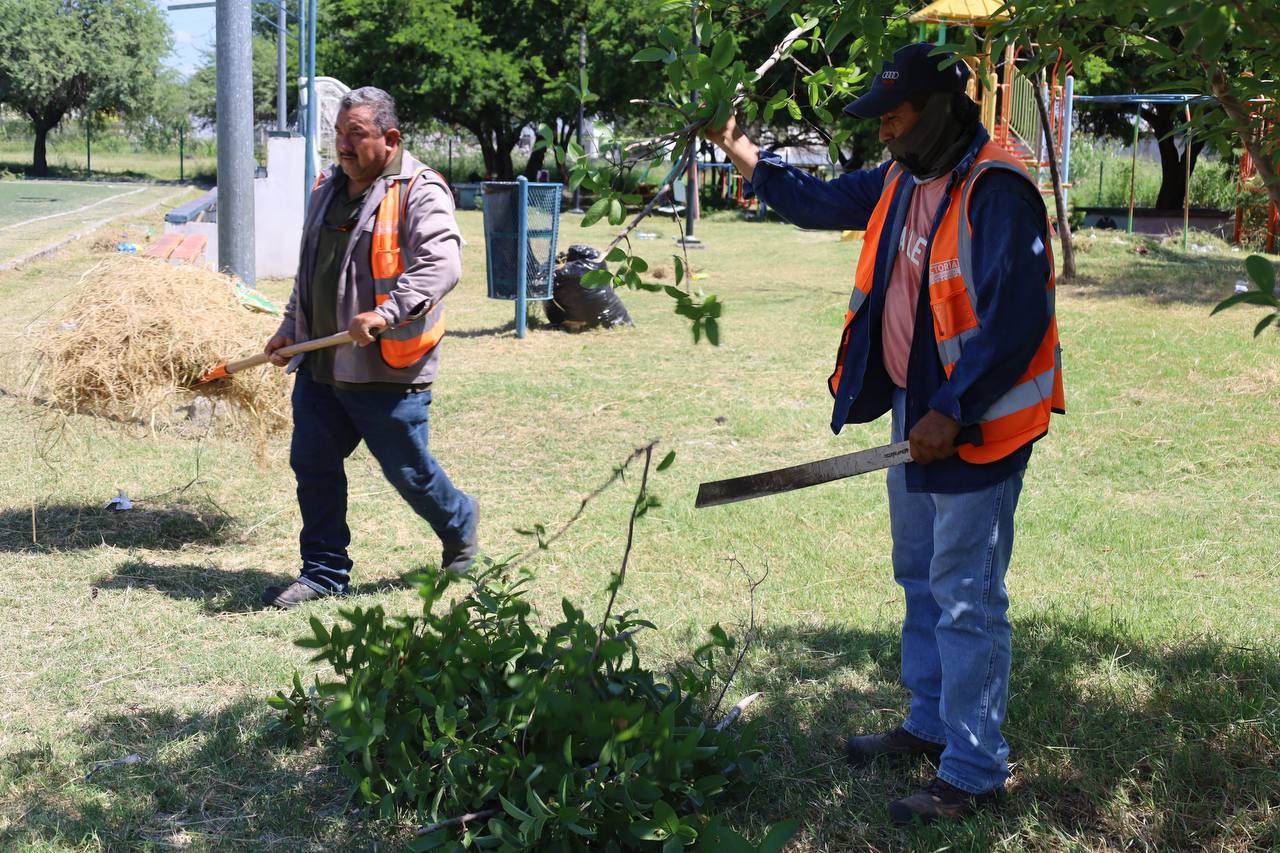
x: 802, y: 476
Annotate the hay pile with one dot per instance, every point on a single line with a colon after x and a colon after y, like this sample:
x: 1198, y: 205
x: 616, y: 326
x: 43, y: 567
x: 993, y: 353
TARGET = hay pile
x: 139, y: 335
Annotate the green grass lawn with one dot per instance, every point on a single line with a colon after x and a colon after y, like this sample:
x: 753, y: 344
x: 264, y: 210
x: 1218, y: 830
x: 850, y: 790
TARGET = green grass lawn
x: 35, y: 214
x: 1145, y: 702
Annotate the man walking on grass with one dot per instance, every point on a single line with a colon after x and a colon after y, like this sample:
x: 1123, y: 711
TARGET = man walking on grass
x: 950, y: 327
x: 380, y: 249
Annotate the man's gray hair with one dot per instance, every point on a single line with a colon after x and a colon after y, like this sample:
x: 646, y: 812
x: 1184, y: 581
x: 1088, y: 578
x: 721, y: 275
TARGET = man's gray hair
x: 380, y: 104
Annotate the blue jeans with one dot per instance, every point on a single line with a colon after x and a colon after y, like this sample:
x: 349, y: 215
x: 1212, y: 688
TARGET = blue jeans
x: 328, y: 424
x: 950, y: 554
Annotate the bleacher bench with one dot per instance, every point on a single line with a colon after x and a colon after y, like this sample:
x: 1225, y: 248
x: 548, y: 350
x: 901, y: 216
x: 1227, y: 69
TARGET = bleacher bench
x: 178, y: 248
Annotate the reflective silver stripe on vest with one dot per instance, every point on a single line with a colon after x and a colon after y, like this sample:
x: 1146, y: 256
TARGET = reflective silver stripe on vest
x: 949, y: 350
x: 1033, y: 392
x: 857, y: 298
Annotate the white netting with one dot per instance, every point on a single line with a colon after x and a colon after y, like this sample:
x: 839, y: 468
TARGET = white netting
x: 329, y: 92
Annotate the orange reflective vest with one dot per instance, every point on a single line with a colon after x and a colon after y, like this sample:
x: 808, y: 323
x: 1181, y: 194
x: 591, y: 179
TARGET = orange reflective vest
x: 1021, y: 415
x: 411, y: 340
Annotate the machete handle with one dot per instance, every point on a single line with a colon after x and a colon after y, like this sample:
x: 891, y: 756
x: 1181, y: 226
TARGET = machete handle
x: 972, y: 434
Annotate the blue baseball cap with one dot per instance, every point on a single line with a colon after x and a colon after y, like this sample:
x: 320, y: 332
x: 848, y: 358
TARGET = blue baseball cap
x: 912, y: 71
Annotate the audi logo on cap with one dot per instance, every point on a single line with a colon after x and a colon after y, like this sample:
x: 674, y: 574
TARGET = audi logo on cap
x: 889, y: 75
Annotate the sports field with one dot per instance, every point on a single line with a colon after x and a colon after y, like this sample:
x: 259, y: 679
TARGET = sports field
x: 1145, y: 586
x: 38, y: 214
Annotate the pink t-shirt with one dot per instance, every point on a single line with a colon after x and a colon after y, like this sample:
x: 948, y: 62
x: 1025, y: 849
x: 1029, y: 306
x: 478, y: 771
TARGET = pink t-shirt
x: 899, y: 322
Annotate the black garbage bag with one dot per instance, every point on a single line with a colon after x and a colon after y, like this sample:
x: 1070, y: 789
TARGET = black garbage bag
x: 578, y: 307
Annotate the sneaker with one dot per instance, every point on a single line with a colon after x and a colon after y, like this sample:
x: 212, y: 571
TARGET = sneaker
x: 288, y: 597
x: 457, y: 558
x: 859, y: 749
x: 941, y: 801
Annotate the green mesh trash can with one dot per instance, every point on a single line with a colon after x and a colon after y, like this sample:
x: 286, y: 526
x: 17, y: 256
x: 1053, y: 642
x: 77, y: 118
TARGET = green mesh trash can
x: 521, y: 223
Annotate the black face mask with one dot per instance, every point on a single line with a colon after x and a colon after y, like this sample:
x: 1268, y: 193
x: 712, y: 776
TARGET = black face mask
x: 939, y: 139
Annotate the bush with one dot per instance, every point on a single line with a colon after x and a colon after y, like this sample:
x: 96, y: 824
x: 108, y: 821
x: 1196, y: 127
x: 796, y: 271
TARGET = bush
x: 555, y: 738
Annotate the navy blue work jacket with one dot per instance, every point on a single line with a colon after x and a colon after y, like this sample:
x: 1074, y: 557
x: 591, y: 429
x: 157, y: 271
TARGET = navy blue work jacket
x: 1011, y: 264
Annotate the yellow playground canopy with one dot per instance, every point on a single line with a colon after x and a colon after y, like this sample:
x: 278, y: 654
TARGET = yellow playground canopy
x: 961, y: 12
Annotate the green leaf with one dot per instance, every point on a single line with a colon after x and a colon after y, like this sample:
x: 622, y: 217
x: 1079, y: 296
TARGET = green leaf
x: 779, y: 834
x: 1249, y: 297
x: 1262, y: 271
x: 1263, y: 323
x: 667, y: 460
x: 513, y: 810
x: 679, y: 268
x: 617, y: 254
x: 595, y: 212
x: 723, y: 50
x: 616, y: 213
x: 774, y: 8
x: 842, y: 27
x: 596, y: 278
x: 650, y: 54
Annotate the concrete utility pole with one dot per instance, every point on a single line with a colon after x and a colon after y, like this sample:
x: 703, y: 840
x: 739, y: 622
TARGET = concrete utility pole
x: 234, y: 63
x: 312, y: 122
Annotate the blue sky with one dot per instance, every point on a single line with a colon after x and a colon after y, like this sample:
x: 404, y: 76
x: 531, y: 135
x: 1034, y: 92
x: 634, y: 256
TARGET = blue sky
x: 193, y: 33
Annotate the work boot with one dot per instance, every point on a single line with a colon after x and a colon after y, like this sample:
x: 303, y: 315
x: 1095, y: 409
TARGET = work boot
x: 859, y: 749
x: 288, y: 597
x: 457, y: 557
x: 941, y: 801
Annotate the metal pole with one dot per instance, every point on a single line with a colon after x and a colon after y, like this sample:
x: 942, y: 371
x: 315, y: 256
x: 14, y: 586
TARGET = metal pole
x: 1102, y: 169
x: 450, y: 170
x: 312, y: 125
x: 523, y: 255
x: 182, y: 136
x: 1068, y: 110
x: 282, y: 118
x: 1133, y: 169
x: 307, y: 177
x: 1186, y: 191
x: 691, y: 183
x: 582, y: 81
x: 234, y: 63
x: 88, y: 145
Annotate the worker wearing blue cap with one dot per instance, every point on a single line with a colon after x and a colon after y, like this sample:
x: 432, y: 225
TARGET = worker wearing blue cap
x: 956, y: 216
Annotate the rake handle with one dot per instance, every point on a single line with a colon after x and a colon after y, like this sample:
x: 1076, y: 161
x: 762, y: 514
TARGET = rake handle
x: 290, y: 351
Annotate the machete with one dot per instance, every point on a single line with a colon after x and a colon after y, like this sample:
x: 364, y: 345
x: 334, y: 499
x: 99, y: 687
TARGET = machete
x: 814, y: 473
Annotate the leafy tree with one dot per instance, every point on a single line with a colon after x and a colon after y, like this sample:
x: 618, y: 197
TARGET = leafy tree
x: 1229, y: 50
x: 1127, y: 73
x: 493, y: 68
x: 62, y: 55
x: 204, y: 83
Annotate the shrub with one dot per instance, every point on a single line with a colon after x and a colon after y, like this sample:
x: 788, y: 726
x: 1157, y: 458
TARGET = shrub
x: 555, y: 738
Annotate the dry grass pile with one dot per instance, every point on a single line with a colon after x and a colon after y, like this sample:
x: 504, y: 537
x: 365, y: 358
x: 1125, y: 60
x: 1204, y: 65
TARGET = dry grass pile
x: 138, y: 336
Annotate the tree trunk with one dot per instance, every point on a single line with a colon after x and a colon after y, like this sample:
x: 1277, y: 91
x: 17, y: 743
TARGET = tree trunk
x: 1238, y: 112
x: 1173, y: 163
x: 40, y: 157
x: 1064, y: 227
x: 536, y: 159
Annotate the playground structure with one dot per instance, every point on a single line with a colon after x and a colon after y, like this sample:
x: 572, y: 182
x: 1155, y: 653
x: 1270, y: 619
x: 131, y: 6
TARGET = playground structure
x: 1006, y: 98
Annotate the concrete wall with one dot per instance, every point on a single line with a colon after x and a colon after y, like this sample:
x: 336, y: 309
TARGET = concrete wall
x: 277, y: 212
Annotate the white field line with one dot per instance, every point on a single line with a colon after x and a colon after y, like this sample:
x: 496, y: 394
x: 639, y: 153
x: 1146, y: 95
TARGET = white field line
x: 53, y: 247
x: 71, y: 212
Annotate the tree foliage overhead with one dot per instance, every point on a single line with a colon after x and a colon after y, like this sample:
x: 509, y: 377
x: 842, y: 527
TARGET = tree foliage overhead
x: 1227, y: 50
x: 491, y: 68
x: 204, y: 83
x: 62, y: 55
